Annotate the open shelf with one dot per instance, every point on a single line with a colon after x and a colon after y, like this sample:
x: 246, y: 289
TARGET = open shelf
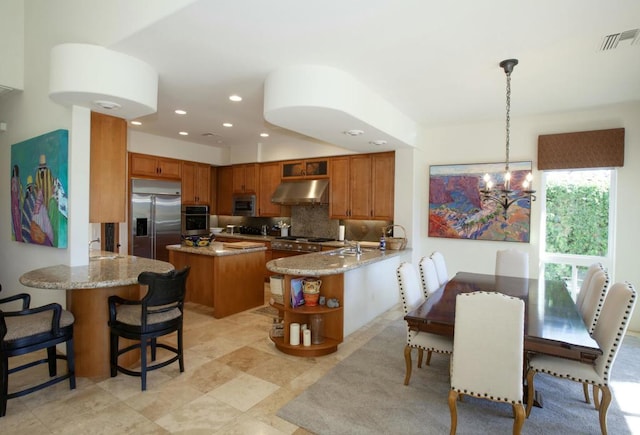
x: 328, y: 346
x: 333, y: 318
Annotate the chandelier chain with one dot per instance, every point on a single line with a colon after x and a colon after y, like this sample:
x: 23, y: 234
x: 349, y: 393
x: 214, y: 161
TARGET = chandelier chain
x: 508, y: 120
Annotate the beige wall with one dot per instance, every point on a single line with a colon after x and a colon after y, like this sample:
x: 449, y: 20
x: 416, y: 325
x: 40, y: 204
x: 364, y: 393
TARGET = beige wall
x: 31, y: 112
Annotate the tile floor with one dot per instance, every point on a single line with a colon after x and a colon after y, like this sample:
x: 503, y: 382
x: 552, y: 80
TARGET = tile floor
x: 234, y: 382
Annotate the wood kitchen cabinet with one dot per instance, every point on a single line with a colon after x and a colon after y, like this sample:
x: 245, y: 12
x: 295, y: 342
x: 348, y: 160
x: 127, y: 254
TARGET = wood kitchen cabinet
x: 245, y: 178
x: 108, y: 166
x: 142, y: 165
x: 301, y: 169
x: 195, y: 183
x: 362, y: 186
x: 224, y: 201
x: 269, y: 181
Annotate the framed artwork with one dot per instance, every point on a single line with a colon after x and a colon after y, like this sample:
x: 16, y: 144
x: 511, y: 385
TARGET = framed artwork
x: 457, y: 211
x: 39, y: 183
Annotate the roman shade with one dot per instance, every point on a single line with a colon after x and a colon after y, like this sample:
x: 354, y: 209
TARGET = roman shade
x: 583, y: 149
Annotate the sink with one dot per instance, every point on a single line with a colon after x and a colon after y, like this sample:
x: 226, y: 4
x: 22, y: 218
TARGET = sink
x: 105, y: 257
x: 349, y: 251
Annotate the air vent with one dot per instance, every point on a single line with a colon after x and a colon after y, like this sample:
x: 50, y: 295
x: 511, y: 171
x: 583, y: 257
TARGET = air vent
x: 622, y: 39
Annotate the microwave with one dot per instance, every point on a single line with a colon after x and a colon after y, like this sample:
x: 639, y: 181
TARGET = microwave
x: 195, y: 220
x: 244, y: 205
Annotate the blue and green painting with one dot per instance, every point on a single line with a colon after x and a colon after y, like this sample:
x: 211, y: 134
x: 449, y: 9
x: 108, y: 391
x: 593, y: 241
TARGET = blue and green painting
x: 39, y: 183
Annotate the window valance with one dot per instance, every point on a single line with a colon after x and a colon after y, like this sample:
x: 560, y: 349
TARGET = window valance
x: 582, y: 149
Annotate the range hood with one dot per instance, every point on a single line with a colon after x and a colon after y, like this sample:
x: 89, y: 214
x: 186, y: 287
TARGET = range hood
x: 305, y: 192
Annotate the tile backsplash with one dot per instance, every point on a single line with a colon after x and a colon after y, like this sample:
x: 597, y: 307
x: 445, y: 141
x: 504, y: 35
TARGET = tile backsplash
x: 313, y: 221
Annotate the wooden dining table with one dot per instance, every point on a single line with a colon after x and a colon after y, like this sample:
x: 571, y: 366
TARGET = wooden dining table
x: 552, y: 326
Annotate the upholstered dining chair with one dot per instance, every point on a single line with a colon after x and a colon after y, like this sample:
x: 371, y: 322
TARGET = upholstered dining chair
x: 441, y: 267
x: 512, y: 262
x: 610, y: 329
x: 159, y: 313
x: 488, y: 352
x: 412, y: 297
x: 594, y: 298
x: 585, y: 283
x: 32, y: 329
x: 428, y: 276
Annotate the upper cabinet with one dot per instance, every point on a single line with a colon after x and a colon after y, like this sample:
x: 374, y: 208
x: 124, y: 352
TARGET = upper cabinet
x: 382, y: 184
x: 142, y: 165
x: 362, y: 186
x: 108, y: 166
x: 224, y: 200
x: 269, y: 181
x: 245, y: 178
x: 300, y: 169
x: 195, y: 183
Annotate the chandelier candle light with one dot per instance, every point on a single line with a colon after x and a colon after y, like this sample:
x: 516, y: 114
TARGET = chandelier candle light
x: 505, y: 196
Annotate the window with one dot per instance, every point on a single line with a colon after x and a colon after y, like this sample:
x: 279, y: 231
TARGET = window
x: 577, y: 223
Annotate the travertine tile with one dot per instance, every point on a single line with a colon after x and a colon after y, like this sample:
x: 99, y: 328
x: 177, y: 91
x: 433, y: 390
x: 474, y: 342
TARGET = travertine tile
x: 243, y: 391
x: 234, y: 382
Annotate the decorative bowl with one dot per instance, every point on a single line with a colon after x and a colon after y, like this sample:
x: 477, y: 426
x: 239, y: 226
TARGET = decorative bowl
x: 197, y: 241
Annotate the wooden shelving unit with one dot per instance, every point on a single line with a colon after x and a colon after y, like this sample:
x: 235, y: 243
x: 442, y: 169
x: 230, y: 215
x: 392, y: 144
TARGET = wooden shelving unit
x: 332, y: 287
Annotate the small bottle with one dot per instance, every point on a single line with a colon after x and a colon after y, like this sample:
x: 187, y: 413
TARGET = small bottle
x: 383, y: 243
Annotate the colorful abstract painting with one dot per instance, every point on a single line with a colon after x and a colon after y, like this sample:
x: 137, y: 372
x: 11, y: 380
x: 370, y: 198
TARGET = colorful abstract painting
x: 456, y: 209
x: 39, y: 183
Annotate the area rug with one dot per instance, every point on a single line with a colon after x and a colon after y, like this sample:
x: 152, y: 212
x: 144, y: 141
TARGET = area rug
x: 267, y: 310
x: 365, y: 394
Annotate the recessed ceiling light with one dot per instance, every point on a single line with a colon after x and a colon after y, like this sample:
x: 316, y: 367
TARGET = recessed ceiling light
x: 264, y: 134
x: 227, y: 124
x: 378, y: 142
x: 235, y: 98
x: 354, y: 132
x: 107, y: 105
x: 180, y: 112
x: 183, y: 133
x: 136, y: 123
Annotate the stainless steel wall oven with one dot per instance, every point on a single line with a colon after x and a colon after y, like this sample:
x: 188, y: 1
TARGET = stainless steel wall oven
x: 195, y: 220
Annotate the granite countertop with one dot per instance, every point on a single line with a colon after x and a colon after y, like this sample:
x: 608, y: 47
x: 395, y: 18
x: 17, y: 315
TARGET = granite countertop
x: 329, y: 262
x: 259, y: 238
x: 110, y: 271
x: 216, y: 249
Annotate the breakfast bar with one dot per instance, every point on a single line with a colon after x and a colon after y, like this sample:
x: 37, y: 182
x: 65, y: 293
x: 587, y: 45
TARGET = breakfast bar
x: 363, y: 284
x: 88, y: 287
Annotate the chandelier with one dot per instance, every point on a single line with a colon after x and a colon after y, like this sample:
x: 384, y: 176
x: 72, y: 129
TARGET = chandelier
x: 504, y: 195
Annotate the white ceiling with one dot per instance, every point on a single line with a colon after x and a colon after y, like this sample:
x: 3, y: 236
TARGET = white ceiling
x: 434, y: 61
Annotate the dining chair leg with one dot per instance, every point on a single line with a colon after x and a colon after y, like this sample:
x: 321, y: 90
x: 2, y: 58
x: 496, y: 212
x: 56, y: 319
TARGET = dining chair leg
x: 585, y: 389
x: 530, y: 391
x: 596, y: 396
x: 453, y: 398
x: 407, y: 360
x: 429, y: 357
x: 420, y: 355
x: 604, y: 408
x: 519, y: 416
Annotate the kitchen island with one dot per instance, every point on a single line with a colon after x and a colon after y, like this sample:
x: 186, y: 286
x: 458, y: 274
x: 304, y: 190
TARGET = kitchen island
x: 226, y: 276
x: 87, y: 289
x: 365, y: 286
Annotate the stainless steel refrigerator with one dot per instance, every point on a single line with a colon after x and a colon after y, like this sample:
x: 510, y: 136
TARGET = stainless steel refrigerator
x: 155, y: 214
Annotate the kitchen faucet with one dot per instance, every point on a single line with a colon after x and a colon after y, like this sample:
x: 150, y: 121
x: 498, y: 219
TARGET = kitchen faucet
x: 356, y: 246
x: 91, y: 242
